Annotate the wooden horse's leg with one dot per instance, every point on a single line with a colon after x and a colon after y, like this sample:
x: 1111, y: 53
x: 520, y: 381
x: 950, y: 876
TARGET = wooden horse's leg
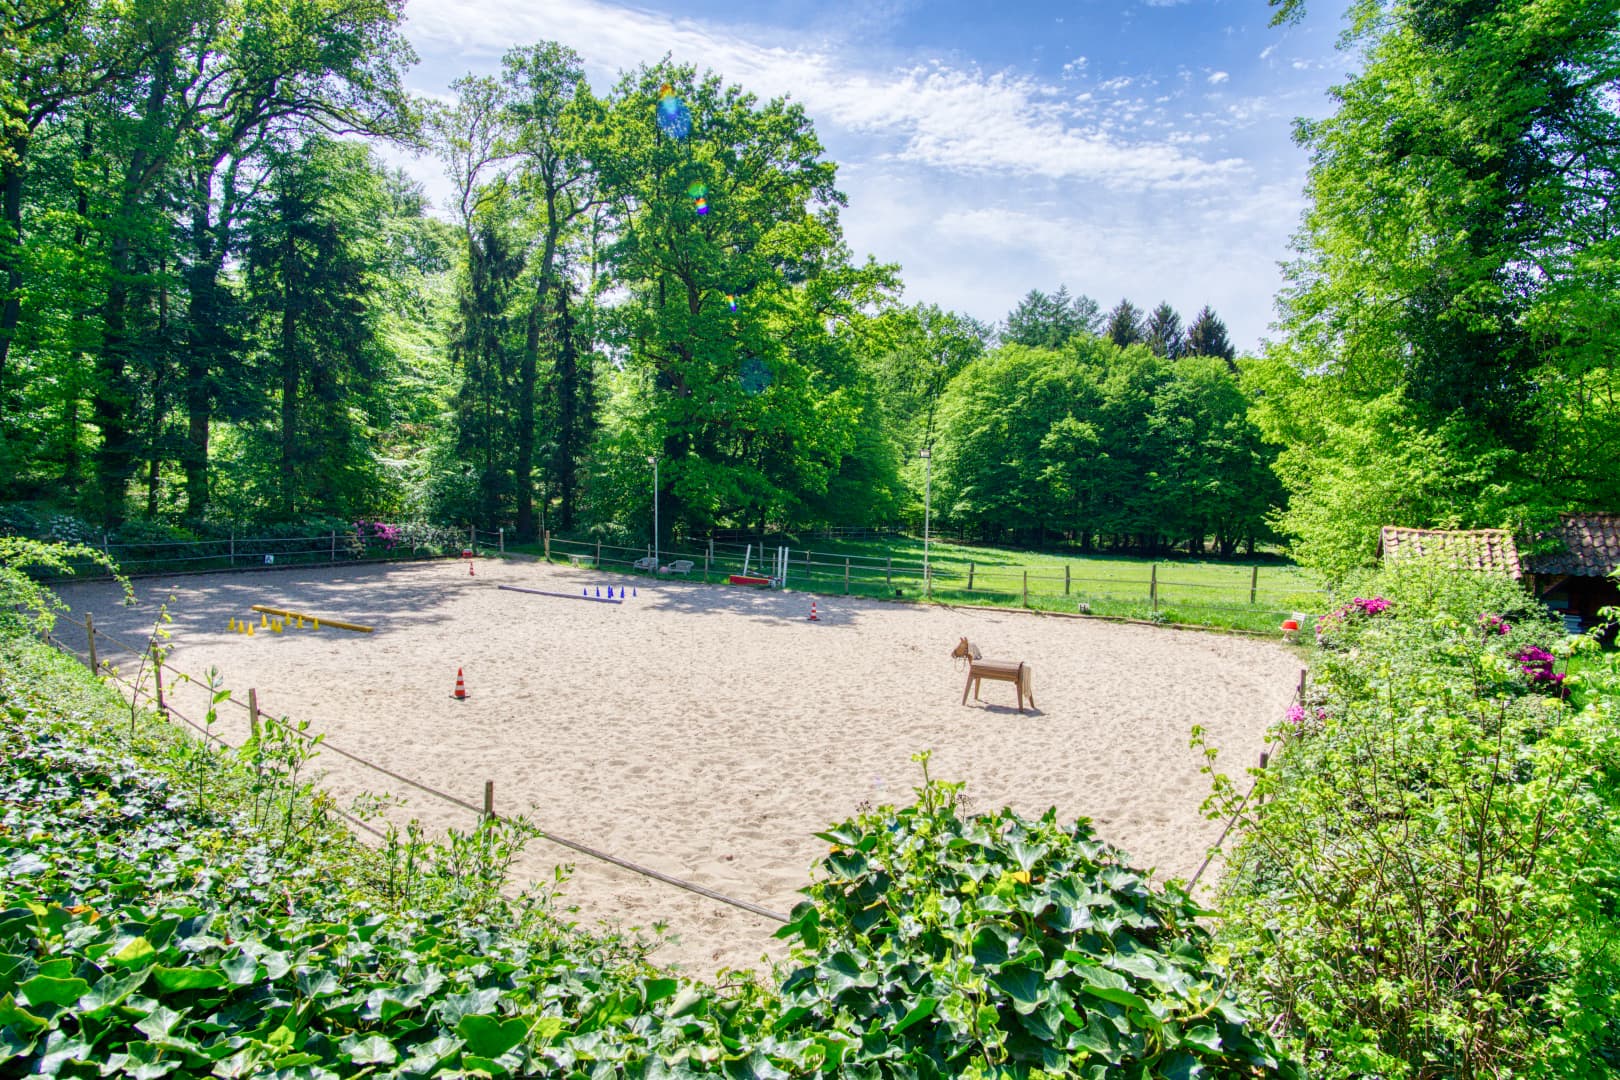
x: 1018, y: 686
x: 967, y: 684
x: 1028, y: 680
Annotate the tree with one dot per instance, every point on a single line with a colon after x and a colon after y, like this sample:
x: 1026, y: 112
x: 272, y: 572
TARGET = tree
x: 1163, y: 332
x: 1124, y: 325
x: 1455, y: 272
x: 550, y: 111
x: 1049, y: 322
x: 750, y: 411
x: 1207, y: 337
x: 313, y: 260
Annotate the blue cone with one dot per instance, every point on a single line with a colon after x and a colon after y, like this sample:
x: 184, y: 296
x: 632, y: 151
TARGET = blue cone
x: 584, y: 592
x: 633, y: 591
x: 599, y: 592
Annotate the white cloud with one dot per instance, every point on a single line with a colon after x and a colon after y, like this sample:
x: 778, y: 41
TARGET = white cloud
x: 1266, y: 52
x: 941, y: 116
x: 1218, y: 77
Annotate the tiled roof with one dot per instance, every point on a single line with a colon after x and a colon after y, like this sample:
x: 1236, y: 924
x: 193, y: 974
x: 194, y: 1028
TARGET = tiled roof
x: 1476, y: 549
x: 1591, y: 546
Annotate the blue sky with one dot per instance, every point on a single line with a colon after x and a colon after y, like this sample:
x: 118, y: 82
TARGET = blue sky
x: 1125, y: 148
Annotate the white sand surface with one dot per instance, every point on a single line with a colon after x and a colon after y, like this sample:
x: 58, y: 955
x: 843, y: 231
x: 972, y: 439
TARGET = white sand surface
x: 709, y: 731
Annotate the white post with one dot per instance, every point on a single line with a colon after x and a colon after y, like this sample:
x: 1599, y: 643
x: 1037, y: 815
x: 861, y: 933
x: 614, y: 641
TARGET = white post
x: 653, y: 461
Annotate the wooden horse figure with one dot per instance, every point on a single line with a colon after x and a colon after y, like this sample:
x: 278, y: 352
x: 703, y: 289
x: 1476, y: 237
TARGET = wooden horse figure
x: 1014, y: 671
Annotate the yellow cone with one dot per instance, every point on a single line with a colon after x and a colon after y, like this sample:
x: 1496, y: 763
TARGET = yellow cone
x: 232, y: 627
x: 264, y: 621
x: 317, y: 624
x: 250, y: 629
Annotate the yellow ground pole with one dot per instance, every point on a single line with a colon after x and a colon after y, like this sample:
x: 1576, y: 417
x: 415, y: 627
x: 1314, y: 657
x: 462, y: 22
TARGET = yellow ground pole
x: 301, y: 615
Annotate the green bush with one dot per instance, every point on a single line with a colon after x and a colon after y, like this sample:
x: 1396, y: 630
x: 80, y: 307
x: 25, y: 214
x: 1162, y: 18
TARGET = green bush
x: 1426, y: 880
x: 997, y: 946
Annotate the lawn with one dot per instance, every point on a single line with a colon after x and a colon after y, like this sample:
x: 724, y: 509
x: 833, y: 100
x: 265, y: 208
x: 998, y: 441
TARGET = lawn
x: 1253, y: 596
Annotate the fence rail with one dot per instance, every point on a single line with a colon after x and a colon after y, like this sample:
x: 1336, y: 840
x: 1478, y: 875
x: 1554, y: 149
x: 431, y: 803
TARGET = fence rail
x: 151, y: 653
x: 1047, y: 587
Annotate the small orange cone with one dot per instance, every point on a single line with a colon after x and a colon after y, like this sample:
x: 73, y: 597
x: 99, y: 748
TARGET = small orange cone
x: 461, y: 687
x: 470, y: 569
x: 813, y: 616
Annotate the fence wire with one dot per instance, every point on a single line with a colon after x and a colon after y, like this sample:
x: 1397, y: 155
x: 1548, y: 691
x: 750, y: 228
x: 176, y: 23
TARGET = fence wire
x: 572, y: 845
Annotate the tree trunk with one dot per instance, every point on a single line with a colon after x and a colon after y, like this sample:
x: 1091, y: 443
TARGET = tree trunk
x: 203, y: 341
x: 11, y: 183
x: 289, y: 374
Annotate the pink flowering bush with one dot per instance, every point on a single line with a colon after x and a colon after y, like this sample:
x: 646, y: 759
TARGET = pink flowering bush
x: 1356, y: 608
x: 1537, y: 665
x: 377, y: 533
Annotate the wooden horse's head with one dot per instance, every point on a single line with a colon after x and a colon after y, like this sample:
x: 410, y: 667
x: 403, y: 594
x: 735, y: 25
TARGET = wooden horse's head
x: 964, y: 651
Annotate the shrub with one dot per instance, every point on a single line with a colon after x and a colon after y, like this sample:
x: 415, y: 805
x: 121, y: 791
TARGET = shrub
x: 936, y: 945
x: 1426, y: 878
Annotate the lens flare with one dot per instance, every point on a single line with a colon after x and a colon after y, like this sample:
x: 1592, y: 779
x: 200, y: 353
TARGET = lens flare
x: 696, y: 190
x: 702, y: 207
x: 673, y: 118
x: 756, y: 376
x: 731, y: 302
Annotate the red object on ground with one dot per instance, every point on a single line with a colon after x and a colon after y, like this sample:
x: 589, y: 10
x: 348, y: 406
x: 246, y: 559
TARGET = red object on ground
x: 1290, y: 625
x: 461, y: 687
x: 813, y: 616
x: 466, y: 553
x: 739, y: 579
x: 470, y: 569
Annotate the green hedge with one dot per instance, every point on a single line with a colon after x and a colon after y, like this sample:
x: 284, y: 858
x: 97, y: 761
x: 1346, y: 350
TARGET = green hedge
x: 1427, y: 880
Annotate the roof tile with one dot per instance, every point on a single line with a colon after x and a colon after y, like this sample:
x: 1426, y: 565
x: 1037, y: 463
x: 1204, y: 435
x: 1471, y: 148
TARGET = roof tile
x: 1476, y: 549
x: 1591, y: 546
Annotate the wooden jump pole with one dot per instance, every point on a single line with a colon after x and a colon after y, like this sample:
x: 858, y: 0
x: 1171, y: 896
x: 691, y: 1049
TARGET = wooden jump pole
x: 90, y: 629
x: 315, y: 618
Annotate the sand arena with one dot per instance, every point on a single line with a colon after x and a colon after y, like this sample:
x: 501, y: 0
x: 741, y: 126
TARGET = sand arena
x: 709, y: 731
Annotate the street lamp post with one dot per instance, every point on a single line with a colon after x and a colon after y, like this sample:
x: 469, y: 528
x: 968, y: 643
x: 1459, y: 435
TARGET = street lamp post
x: 653, y: 461
x: 928, y: 487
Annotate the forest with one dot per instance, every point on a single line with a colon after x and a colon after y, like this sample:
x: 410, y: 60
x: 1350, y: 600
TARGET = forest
x: 218, y: 309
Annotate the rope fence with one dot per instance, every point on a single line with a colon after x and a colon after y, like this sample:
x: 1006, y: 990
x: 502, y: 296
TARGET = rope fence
x: 100, y: 668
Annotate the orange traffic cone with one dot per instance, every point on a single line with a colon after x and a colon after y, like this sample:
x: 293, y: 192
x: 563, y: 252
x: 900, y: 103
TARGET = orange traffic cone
x: 813, y: 616
x: 461, y: 687
x: 470, y: 569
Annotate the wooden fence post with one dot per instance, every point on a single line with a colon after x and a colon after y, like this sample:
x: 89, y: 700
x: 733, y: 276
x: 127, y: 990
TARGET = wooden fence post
x: 334, y: 545
x: 501, y: 535
x: 233, y: 548
x: 157, y: 678
x: 472, y: 538
x: 1065, y: 579
x: 1254, y: 583
x: 90, y: 628
x: 548, y: 545
x: 599, y: 553
x: 253, y: 711
x: 970, y: 575
x: 489, y: 798
x: 711, y: 549
x: 706, y: 567
x: 1026, y: 588
x: 1153, y: 586
x: 846, y: 575
x: 1302, y: 674
x: 888, y: 569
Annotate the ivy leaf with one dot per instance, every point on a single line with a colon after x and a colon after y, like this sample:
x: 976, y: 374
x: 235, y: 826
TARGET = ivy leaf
x: 177, y: 979
x: 241, y: 969
x: 371, y: 1050
x: 138, y: 951
x: 43, y: 990
x: 1022, y: 985
x: 489, y: 1037
x: 920, y: 1011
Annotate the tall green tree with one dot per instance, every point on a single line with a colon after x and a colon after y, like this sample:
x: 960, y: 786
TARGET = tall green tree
x: 1162, y: 332
x: 751, y: 411
x: 1456, y: 275
x: 1049, y: 322
x: 1124, y: 325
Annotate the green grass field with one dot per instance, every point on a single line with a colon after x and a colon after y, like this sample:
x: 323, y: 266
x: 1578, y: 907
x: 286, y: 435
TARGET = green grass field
x: 1244, y: 596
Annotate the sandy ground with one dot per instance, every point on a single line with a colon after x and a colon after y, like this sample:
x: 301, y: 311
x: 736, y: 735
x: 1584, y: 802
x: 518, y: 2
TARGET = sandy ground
x: 708, y: 731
